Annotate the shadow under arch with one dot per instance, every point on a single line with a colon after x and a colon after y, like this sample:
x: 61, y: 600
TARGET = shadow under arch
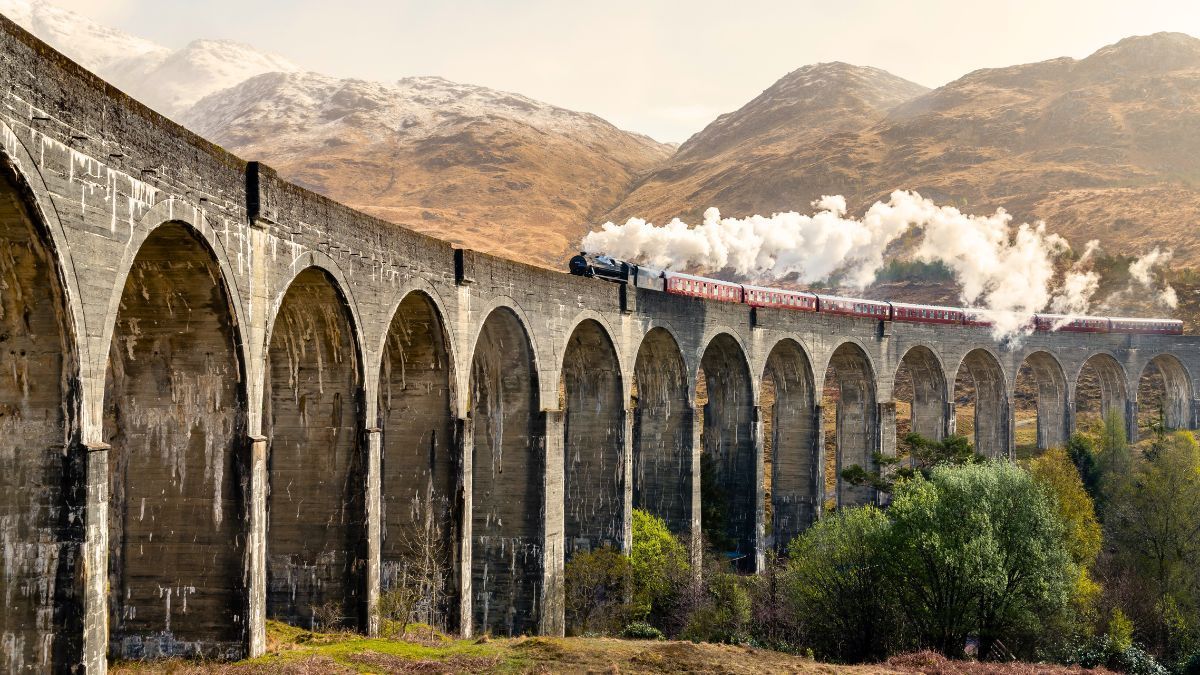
x: 1164, y: 392
x: 42, y: 469
x: 421, y: 502
x: 790, y: 442
x: 920, y: 382
x: 980, y: 381
x: 662, y: 433
x: 1042, y: 375
x: 591, y: 394
x: 730, y: 487
x: 508, y: 478
x: 850, y: 388
x: 1100, y: 390
x: 175, y: 417
x: 312, y: 417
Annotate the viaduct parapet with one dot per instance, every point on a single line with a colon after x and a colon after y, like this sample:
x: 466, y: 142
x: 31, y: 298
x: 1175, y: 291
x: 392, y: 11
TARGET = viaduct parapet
x: 224, y: 398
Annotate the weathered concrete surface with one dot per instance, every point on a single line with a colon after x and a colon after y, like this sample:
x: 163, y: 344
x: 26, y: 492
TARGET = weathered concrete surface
x: 315, y: 537
x: 365, y: 382
x: 175, y: 419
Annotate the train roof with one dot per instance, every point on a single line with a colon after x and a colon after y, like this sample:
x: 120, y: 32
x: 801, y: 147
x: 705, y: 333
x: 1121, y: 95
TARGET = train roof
x: 1139, y: 318
x: 693, y: 277
x: 846, y: 298
x: 943, y: 308
x: 772, y: 289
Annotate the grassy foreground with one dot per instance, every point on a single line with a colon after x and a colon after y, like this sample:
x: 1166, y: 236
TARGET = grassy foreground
x: 299, y: 652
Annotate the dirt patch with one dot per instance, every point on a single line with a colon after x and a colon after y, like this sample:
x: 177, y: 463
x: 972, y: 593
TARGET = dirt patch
x: 932, y: 663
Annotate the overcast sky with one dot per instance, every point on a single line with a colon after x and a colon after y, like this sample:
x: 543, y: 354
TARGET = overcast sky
x: 662, y: 68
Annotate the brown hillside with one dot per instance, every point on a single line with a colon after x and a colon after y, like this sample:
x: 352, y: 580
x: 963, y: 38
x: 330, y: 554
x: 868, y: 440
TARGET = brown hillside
x: 1105, y: 147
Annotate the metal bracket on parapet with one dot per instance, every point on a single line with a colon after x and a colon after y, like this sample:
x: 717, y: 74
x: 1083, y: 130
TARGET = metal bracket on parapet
x: 885, y: 329
x: 260, y: 201
x: 754, y: 319
x: 464, y: 266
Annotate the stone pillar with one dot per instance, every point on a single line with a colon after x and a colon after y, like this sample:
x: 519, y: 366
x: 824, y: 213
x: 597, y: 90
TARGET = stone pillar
x: 553, y: 605
x: 465, y: 441
x: 695, y: 423
x: 760, y: 493
x: 951, y: 419
x: 95, y: 560
x: 256, y: 550
x: 374, y: 516
x: 819, y: 495
x: 627, y: 481
x: 1131, y: 417
x: 885, y: 439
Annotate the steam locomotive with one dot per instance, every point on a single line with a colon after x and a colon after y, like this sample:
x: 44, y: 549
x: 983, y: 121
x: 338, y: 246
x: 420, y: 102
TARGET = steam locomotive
x: 675, y: 283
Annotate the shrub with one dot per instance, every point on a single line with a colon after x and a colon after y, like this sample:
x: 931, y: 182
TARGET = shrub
x: 598, y: 584
x: 640, y: 630
x: 660, y: 568
x: 396, y: 607
x: 721, y: 612
x: 838, y: 585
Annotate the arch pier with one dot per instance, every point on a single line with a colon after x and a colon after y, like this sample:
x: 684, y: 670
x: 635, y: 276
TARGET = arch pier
x: 225, y: 398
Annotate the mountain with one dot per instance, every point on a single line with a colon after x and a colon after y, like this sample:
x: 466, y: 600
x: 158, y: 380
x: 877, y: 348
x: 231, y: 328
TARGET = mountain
x: 1103, y: 147
x: 492, y: 170
x: 173, y: 82
x: 169, y: 81
x: 746, y: 161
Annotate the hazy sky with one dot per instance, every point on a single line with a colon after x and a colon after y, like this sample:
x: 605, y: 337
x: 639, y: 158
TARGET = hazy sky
x: 662, y: 68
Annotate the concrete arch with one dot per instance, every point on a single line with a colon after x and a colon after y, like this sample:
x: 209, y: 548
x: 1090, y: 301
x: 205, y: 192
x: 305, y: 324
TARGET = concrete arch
x: 611, y: 334
x: 846, y: 342
x: 594, y: 481
x: 175, y: 416
x: 1177, y: 395
x: 419, y: 286
x: 664, y: 458
x: 791, y: 433
x: 929, y: 391
x: 316, y: 260
x: 723, y: 333
x: 856, y: 420
x: 420, y: 501
x: 313, y: 419
x: 1109, y: 377
x: 41, y: 463
x: 547, y: 395
x: 508, y: 469
x: 992, y: 421
x: 731, y: 503
x: 1053, y: 404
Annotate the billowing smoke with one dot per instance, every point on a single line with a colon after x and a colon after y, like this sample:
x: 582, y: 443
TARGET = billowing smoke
x: 1013, y: 271
x: 1142, y: 271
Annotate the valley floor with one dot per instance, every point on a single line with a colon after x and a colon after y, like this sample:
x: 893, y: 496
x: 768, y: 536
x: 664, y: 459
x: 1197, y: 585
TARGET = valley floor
x: 298, y: 652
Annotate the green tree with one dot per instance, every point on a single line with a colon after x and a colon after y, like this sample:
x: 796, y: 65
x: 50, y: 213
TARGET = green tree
x: 1154, y: 519
x: 598, y: 585
x: 659, y: 564
x: 983, y: 552
x: 1082, y: 451
x: 917, y: 455
x: 837, y: 583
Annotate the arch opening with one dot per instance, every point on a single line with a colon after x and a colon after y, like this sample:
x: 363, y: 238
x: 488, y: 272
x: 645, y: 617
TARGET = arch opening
x: 662, y: 433
x: 421, y: 510
x: 730, y: 489
x: 1100, y: 391
x: 1164, y: 395
x: 981, y: 404
x: 850, y: 418
x: 920, y: 395
x: 41, y: 468
x: 1040, y: 412
x: 791, y: 465
x: 593, y: 442
x: 507, y: 553
x: 175, y: 416
x: 316, y: 504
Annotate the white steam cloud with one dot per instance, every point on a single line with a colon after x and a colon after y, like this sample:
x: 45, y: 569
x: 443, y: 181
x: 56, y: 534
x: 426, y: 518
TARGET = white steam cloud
x: 1014, y: 271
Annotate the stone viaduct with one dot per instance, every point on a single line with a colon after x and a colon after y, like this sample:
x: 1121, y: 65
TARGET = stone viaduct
x: 224, y: 398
